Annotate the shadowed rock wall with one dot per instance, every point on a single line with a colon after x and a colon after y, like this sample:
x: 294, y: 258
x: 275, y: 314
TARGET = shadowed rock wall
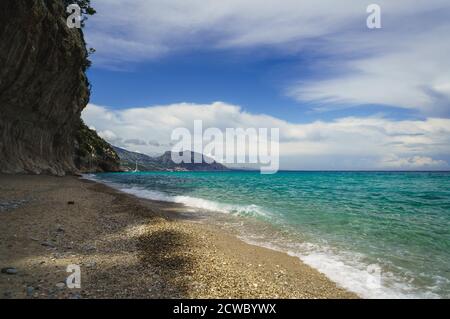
x: 43, y: 88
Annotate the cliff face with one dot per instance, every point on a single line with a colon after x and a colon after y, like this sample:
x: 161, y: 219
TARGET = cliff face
x: 43, y: 88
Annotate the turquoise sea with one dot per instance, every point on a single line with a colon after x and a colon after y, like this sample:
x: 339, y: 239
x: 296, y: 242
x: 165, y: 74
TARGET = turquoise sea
x: 379, y: 234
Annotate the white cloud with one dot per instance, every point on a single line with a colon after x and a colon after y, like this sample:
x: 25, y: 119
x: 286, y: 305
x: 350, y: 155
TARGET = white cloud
x: 413, y: 73
x: 405, y: 64
x: 107, y: 135
x: 156, y: 27
x: 414, y: 162
x: 346, y: 143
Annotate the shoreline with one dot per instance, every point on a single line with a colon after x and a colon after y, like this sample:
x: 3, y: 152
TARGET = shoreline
x: 129, y: 247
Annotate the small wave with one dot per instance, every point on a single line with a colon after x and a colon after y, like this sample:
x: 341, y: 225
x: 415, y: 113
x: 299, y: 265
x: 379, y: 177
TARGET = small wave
x: 348, y: 271
x: 90, y: 177
x: 199, y: 203
x: 193, y: 202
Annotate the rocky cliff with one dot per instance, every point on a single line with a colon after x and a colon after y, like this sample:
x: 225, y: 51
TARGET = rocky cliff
x: 43, y: 89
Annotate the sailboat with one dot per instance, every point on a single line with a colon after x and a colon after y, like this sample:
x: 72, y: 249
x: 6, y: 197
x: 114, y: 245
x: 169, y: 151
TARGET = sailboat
x: 136, y: 169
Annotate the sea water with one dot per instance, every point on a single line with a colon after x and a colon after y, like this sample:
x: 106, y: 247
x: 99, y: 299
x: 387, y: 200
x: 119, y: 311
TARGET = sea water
x: 379, y: 234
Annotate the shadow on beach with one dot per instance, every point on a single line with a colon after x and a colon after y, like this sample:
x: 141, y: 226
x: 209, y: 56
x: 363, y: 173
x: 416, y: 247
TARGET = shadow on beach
x: 165, y: 251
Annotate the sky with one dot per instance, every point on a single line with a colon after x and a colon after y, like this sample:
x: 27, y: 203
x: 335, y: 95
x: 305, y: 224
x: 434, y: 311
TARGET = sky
x: 345, y: 97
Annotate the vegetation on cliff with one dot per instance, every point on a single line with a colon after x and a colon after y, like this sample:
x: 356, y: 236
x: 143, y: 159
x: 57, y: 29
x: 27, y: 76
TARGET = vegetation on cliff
x: 92, y: 153
x: 85, y: 6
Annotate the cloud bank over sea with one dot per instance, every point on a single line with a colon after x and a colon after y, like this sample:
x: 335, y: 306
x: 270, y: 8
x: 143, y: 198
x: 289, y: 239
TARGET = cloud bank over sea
x: 346, y: 143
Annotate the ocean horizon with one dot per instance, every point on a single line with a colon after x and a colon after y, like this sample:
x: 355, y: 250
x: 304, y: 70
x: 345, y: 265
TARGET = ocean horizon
x: 356, y: 227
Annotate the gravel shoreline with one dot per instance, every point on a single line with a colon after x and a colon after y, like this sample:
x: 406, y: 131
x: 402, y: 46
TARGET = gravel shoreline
x: 128, y: 247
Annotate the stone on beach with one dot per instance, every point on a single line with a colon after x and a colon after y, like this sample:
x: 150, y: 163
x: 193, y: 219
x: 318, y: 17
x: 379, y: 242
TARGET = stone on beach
x: 60, y: 285
x: 9, y: 271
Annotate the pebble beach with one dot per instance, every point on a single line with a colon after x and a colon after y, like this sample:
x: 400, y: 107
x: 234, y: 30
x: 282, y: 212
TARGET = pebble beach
x: 128, y: 247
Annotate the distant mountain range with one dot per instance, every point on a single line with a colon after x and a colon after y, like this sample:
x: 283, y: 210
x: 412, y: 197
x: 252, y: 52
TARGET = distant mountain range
x: 128, y: 161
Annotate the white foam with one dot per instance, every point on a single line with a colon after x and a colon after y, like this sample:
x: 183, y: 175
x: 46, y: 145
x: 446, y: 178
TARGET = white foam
x: 347, y: 270
x: 194, y: 202
x: 199, y: 203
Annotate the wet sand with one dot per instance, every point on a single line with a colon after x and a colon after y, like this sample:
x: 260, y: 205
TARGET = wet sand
x: 128, y: 247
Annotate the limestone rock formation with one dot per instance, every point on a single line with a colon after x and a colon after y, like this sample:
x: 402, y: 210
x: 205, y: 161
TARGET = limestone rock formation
x: 43, y: 88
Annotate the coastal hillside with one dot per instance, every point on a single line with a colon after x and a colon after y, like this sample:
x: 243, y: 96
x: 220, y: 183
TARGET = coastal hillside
x: 129, y: 160
x: 92, y: 153
x: 43, y: 89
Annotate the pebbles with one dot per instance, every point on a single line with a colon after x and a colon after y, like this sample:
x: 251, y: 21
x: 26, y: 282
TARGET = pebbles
x: 89, y: 248
x: 11, y: 205
x: 47, y: 244
x: 60, y: 285
x: 30, y: 291
x: 9, y: 271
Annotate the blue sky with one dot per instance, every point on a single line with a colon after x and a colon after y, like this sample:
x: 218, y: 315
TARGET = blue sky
x: 203, y: 77
x: 309, y: 67
x: 257, y: 84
